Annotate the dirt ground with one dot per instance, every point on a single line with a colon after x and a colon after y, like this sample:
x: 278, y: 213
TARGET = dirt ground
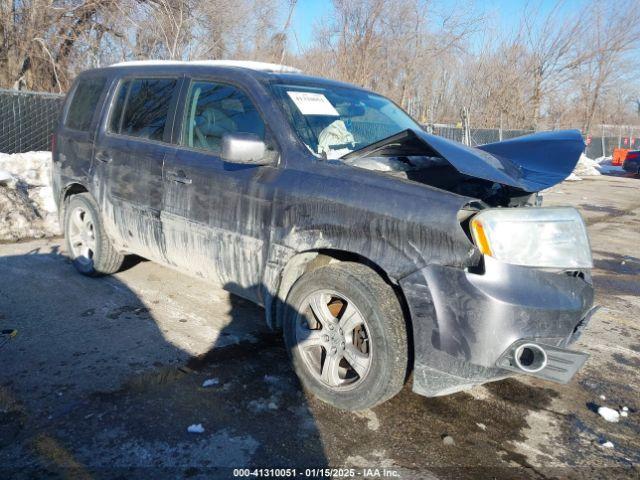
x: 106, y: 375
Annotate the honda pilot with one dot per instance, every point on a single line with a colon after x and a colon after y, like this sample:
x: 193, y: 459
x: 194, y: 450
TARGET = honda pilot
x: 382, y: 252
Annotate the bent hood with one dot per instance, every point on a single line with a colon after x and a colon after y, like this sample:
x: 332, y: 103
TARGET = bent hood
x: 530, y: 163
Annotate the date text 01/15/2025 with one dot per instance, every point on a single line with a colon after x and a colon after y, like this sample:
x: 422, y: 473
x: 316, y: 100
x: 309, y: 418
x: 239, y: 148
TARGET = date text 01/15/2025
x: 316, y: 472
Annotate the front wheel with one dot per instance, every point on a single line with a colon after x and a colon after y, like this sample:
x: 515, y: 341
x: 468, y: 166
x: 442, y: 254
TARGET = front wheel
x: 346, y: 335
x: 86, y: 241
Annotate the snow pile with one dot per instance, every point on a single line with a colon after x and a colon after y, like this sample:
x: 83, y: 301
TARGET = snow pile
x: 27, y: 208
x: 584, y: 168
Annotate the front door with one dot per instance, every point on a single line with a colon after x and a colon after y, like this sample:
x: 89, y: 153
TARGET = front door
x: 216, y: 215
x: 132, y: 150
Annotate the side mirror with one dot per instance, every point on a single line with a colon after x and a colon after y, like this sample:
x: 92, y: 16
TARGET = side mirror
x: 245, y: 148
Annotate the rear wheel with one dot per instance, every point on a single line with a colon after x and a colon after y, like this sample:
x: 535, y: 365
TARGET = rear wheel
x: 86, y: 241
x: 346, y: 334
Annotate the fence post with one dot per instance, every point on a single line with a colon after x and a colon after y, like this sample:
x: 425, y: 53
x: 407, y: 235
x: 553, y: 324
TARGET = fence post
x: 620, y: 137
x: 466, y: 139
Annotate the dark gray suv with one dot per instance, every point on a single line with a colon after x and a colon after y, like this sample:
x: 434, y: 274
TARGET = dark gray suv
x: 380, y: 250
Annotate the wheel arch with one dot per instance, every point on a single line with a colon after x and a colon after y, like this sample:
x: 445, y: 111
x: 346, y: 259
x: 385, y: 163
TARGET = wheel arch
x: 309, y: 260
x: 66, y: 193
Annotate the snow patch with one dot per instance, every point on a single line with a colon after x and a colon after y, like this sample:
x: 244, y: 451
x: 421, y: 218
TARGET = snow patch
x: 607, y: 444
x: 210, y: 382
x: 195, y: 428
x: 609, y: 414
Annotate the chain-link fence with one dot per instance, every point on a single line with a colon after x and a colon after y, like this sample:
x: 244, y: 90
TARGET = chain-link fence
x: 610, y: 137
x: 613, y: 136
x: 477, y: 136
x: 27, y: 120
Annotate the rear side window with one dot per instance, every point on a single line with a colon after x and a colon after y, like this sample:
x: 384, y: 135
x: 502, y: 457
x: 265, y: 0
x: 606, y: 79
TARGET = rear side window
x: 84, y: 103
x: 141, y: 107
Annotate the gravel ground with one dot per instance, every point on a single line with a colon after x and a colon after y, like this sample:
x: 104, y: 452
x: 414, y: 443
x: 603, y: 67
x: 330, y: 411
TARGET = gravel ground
x: 105, y: 377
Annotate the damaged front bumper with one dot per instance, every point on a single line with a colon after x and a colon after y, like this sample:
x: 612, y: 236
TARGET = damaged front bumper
x: 467, y: 326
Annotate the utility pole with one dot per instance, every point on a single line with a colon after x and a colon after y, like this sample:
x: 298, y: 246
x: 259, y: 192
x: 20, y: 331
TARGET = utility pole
x: 292, y: 7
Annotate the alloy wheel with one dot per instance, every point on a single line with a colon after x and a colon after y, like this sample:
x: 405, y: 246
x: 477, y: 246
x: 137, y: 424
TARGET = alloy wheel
x: 333, y: 339
x: 82, y: 235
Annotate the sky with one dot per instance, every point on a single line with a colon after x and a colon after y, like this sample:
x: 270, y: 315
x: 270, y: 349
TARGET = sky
x: 505, y: 14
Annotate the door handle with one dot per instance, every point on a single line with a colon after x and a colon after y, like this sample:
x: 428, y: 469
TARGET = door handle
x: 178, y: 177
x: 103, y: 157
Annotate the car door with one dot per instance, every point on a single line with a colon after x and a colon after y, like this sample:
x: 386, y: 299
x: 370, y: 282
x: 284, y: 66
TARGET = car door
x: 130, y: 155
x: 216, y: 215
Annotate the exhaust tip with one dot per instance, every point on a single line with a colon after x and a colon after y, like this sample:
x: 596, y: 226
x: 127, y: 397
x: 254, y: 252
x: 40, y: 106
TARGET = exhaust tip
x: 530, y: 357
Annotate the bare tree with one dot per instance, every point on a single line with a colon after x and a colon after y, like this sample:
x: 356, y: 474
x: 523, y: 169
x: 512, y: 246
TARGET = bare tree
x: 611, y: 39
x: 551, y: 41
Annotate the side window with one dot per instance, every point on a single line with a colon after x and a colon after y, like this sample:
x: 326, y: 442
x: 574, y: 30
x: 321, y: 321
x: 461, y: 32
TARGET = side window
x: 146, y: 109
x: 84, y: 103
x: 213, y: 109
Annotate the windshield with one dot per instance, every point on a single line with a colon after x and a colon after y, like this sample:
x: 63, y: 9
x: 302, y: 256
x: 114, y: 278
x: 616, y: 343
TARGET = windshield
x: 333, y: 121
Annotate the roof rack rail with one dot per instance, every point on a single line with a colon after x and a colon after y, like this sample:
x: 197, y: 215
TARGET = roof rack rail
x: 250, y: 64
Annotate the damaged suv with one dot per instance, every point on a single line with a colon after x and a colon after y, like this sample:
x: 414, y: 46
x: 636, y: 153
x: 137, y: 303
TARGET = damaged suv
x: 380, y: 250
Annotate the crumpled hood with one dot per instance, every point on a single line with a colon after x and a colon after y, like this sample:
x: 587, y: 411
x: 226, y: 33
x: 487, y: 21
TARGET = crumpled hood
x: 531, y: 163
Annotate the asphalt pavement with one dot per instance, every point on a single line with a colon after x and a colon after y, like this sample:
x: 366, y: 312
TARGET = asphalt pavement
x: 106, y: 375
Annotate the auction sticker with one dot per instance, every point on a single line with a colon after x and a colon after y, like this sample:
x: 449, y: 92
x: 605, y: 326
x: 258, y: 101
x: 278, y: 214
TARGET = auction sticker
x: 313, y: 103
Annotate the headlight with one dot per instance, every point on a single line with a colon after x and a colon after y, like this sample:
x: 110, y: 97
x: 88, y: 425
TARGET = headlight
x: 533, y: 237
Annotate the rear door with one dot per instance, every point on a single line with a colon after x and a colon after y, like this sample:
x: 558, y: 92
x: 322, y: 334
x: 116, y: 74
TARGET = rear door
x: 216, y: 215
x: 75, y: 138
x: 129, y: 158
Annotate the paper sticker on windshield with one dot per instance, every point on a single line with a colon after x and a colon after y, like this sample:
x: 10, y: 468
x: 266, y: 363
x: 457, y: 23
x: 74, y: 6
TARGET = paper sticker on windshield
x: 313, y: 103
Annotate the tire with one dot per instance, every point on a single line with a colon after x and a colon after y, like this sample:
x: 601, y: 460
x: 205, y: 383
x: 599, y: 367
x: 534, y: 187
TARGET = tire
x: 372, y: 356
x: 86, y: 242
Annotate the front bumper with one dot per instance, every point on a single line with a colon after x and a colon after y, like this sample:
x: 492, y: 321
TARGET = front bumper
x: 464, y: 323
